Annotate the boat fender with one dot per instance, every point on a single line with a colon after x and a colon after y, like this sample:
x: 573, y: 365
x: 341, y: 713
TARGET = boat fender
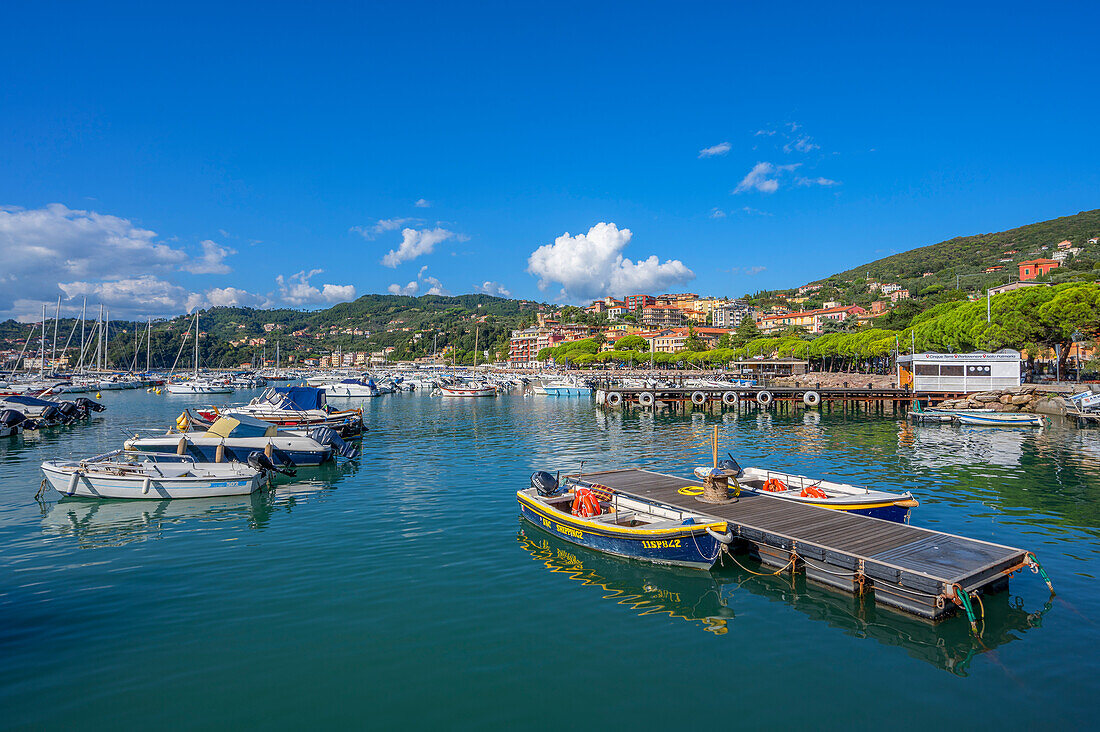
x: 729, y: 398
x: 813, y: 492
x: 614, y: 398
x: 181, y: 447
x: 145, y: 485
x: 763, y: 398
x: 219, y: 453
x: 645, y: 399
x: 811, y: 399
x: 698, y: 398
x: 774, y: 485
x: 73, y: 480
x: 726, y: 538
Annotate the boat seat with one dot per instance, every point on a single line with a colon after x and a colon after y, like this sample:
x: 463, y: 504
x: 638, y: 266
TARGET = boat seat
x: 671, y: 524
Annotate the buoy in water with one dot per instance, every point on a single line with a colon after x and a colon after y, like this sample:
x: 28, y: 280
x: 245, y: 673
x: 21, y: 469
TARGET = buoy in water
x: 97, y: 396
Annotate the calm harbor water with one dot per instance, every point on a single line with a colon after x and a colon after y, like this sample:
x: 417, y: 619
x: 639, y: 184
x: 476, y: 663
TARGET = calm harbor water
x: 404, y: 590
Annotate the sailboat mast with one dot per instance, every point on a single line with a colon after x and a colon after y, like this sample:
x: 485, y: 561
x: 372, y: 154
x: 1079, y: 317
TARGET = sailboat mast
x: 106, y: 337
x: 196, y: 344
x: 53, y: 350
x: 477, y: 331
x: 83, y: 313
x: 148, y: 344
x: 42, y: 343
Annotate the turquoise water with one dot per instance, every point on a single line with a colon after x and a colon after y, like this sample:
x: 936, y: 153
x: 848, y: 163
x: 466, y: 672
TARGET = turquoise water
x: 405, y: 590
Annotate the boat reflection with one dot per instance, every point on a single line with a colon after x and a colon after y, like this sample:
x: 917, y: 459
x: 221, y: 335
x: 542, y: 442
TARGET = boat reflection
x: 97, y: 522
x: 704, y: 598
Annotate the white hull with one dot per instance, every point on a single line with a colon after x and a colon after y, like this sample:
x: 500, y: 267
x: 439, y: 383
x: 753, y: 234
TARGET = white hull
x: 1006, y: 419
x: 190, y: 387
x: 448, y: 391
x: 352, y: 391
x: 71, y: 480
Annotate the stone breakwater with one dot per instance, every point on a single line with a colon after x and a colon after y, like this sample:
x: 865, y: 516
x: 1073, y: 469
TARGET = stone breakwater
x: 1018, y: 399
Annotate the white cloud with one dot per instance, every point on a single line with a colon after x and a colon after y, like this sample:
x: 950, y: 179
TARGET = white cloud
x: 416, y: 243
x: 493, y: 288
x: 234, y: 297
x: 410, y: 289
x: 750, y: 271
x: 373, y: 231
x: 715, y: 150
x: 297, y: 290
x: 146, y: 294
x: 211, y: 261
x: 764, y: 133
x: 592, y: 265
x: 429, y: 285
x: 754, y: 211
x: 423, y: 203
x: 816, y: 182
x: 717, y: 213
x: 764, y: 177
x: 802, y: 143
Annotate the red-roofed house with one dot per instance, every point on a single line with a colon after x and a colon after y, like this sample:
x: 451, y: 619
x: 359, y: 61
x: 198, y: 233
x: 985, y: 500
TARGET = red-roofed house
x: 1032, y: 268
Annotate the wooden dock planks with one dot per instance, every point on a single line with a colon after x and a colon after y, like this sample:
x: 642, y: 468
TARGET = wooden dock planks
x: 909, y: 568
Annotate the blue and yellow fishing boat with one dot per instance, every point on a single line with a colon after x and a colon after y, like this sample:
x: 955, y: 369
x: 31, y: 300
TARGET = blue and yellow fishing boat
x: 597, y: 517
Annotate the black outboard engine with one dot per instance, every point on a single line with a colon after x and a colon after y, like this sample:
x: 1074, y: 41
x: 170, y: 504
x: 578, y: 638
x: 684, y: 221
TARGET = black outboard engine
x: 70, y: 410
x: 16, y: 420
x: 53, y: 415
x: 260, y: 461
x: 331, y: 438
x: 731, y: 466
x: 89, y: 405
x: 544, y: 483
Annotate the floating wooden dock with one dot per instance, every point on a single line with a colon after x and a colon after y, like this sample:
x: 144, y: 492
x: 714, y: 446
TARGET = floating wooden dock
x: 905, y: 567
x: 737, y: 397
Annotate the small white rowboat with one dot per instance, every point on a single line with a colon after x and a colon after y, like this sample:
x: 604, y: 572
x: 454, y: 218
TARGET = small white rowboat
x: 123, y: 474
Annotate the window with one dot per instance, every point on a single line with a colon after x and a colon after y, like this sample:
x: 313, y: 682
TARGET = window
x: 951, y: 370
x: 927, y: 369
x: 977, y: 370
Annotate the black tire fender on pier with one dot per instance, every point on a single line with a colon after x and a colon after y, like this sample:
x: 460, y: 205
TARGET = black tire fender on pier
x: 729, y: 398
x: 698, y: 398
x: 645, y: 399
x: 763, y: 397
x: 614, y: 398
x: 811, y: 399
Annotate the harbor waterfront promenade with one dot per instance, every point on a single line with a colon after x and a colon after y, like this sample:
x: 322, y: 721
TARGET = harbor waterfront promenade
x: 388, y: 587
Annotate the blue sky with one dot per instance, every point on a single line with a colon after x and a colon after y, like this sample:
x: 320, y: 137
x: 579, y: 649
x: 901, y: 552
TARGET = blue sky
x: 165, y: 157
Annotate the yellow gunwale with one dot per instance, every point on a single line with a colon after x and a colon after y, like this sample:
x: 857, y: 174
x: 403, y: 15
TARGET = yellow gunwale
x: 569, y: 519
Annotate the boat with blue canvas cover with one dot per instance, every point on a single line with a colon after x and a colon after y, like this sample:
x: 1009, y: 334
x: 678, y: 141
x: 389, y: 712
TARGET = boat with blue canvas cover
x: 597, y: 517
x: 236, y: 437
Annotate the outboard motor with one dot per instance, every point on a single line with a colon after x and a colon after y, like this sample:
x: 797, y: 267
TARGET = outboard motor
x: 544, y: 483
x: 53, y: 415
x: 89, y: 405
x: 70, y: 410
x: 731, y: 466
x: 16, y: 420
x: 331, y: 438
x: 262, y: 462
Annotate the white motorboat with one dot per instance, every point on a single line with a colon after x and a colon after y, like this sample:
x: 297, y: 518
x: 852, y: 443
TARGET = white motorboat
x: 237, y: 437
x: 468, y: 390
x: 198, y: 386
x: 353, y: 388
x: 823, y: 493
x: 295, y: 406
x: 141, y: 475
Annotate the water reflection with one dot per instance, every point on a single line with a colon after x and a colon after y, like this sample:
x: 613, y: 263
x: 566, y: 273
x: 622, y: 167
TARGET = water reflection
x: 705, y: 599
x: 97, y: 522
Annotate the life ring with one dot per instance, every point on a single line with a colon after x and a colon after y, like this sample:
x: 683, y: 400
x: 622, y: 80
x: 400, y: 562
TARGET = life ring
x: 813, y: 492
x: 698, y: 398
x: 586, y: 504
x: 645, y: 399
x: 774, y: 485
x: 614, y: 398
x: 811, y: 399
x: 729, y: 398
x: 763, y: 398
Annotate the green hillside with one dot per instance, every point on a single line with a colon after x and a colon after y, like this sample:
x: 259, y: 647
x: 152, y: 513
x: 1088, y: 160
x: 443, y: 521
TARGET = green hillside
x: 971, y: 255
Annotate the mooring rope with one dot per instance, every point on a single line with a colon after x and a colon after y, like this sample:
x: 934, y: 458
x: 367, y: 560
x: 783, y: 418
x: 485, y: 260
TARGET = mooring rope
x: 764, y: 574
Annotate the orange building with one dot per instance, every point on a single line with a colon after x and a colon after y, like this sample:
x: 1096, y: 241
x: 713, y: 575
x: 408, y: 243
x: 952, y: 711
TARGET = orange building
x: 1032, y: 268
